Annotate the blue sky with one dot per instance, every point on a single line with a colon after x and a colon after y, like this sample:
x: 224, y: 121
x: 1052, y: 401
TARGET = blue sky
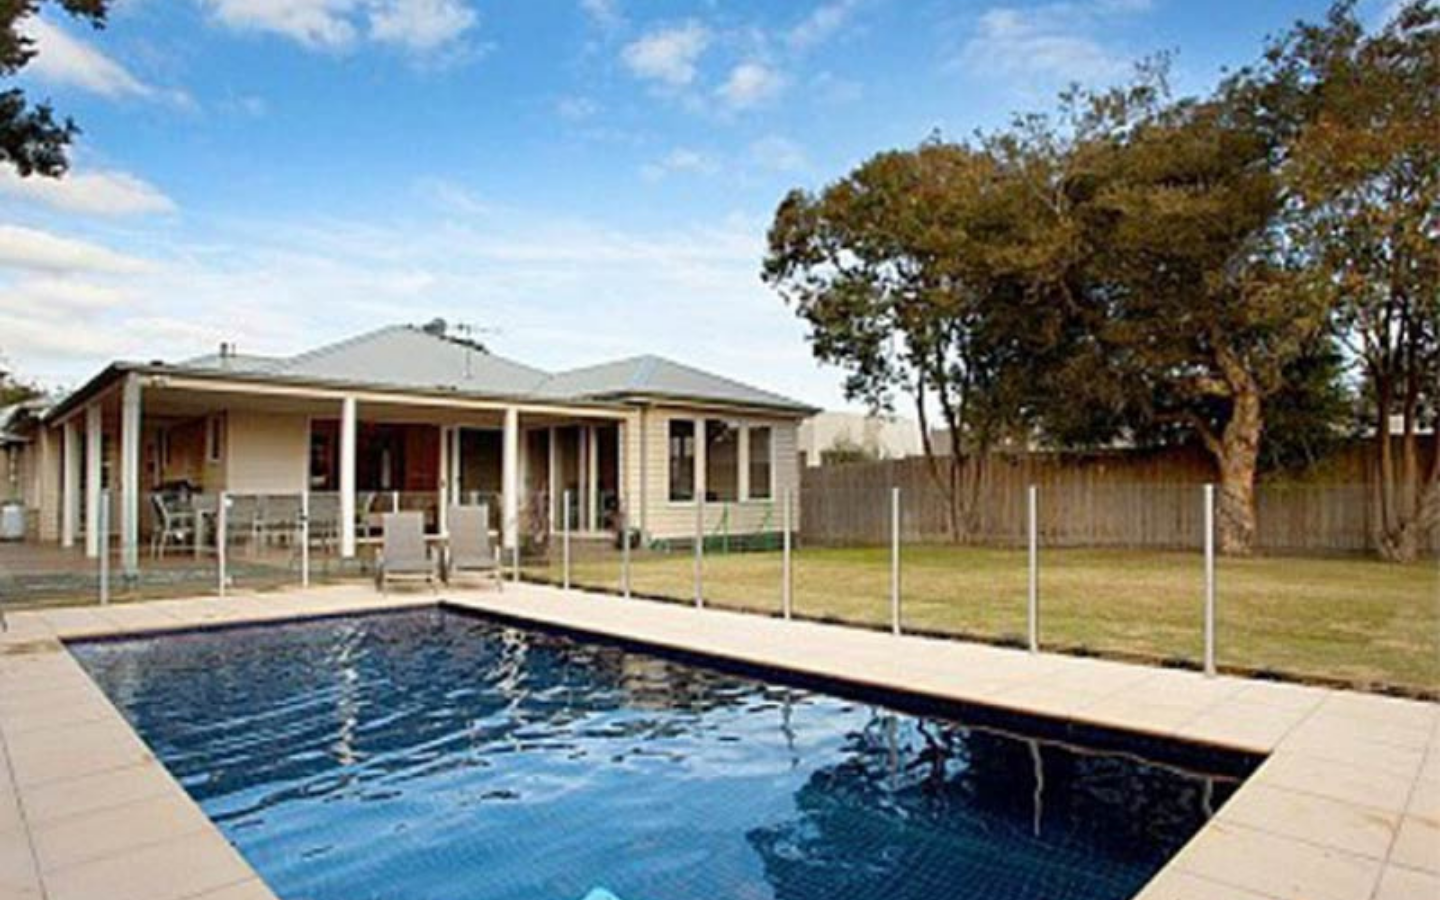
x: 584, y: 179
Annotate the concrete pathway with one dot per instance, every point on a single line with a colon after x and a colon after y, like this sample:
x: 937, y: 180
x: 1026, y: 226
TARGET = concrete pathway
x: 1346, y: 806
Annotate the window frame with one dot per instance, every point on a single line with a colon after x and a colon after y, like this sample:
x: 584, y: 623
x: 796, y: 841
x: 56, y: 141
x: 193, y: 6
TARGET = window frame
x: 769, y: 494
x: 692, y: 491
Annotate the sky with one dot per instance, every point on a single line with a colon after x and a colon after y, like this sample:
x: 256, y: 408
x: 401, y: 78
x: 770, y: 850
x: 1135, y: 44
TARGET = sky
x: 576, y: 180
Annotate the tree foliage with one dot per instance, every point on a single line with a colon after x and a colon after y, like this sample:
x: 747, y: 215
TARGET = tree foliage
x: 1143, y: 269
x: 32, y: 138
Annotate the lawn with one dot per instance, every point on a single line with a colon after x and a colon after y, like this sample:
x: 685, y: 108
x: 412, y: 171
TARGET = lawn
x: 1358, y: 621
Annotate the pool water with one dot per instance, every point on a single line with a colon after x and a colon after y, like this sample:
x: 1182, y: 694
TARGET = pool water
x: 431, y: 754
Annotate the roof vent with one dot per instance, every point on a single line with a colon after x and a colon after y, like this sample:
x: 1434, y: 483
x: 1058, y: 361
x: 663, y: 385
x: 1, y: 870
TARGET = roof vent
x: 436, y: 327
x: 227, y: 353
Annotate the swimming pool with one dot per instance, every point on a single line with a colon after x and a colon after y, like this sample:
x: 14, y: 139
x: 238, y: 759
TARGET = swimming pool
x: 432, y: 754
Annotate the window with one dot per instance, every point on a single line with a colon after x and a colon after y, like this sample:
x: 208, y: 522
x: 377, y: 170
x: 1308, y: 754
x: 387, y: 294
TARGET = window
x: 682, y: 460
x: 214, y: 438
x: 761, y: 470
x: 722, y: 460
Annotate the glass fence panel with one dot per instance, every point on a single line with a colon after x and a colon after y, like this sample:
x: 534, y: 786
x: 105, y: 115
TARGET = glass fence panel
x: 1342, y: 612
x: 842, y: 574
x: 742, y: 562
x: 1122, y: 571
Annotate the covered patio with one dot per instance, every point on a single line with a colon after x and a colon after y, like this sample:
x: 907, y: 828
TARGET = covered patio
x: 165, y: 448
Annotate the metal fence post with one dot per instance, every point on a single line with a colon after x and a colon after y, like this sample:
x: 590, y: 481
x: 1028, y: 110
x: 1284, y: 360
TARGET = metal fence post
x: 895, y: 560
x: 1033, y: 617
x: 565, y: 541
x: 222, y: 539
x: 394, y: 501
x: 624, y: 553
x: 787, y: 596
x: 305, y: 539
x: 699, y: 552
x: 102, y: 527
x: 1210, y: 580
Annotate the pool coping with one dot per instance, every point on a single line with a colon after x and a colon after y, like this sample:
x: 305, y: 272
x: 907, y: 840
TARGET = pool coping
x: 1346, y: 805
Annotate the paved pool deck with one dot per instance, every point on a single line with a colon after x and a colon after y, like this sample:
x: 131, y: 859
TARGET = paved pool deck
x: 1345, y: 807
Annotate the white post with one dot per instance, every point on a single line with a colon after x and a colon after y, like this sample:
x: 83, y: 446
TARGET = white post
x: 102, y: 524
x: 565, y: 541
x: 895, y: 560
x: 305, y: 538
x: 457, y: 466
x: 786, y: 572
x: 94, y: 473
x: 1210, y: 580
x: 130, y: 475
x: 1033, y: 617
x: 347, y: 478
x: 510, y: 480
x: 70, y: 484
x: 222, y: 539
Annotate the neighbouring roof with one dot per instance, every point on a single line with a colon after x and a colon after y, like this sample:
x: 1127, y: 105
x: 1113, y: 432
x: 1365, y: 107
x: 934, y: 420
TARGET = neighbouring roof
x: 16, y: 420
x: 405, y: 357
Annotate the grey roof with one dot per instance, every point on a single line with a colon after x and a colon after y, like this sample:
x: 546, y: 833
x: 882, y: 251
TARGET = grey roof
x: 406, y: 357
x: 16, y: 419
x: 654, y: 377
x: 401, y: 356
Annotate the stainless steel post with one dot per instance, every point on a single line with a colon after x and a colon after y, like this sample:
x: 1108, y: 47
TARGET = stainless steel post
x: 624, y: 553
x: 787, y: 596
x: 699, y: 552
x: 222, y: 538
x: 305, y: 539
x: 102, y: 527
x: 895, y: 560
x: 1210, y: 580
x: 1033, y: 519
x: 565, y: 541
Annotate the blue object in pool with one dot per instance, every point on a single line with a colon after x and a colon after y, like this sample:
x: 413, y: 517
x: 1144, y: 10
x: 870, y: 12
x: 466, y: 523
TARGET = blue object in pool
x: 600, y: 894
x: 430, y: 755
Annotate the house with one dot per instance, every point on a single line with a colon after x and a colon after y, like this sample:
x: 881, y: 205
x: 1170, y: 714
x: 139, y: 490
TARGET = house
x: 878, y: 437
x: 420, y: 419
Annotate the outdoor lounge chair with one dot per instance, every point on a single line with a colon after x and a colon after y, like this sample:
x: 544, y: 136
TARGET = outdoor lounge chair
x: 470, y: 547
x: 403, y: 553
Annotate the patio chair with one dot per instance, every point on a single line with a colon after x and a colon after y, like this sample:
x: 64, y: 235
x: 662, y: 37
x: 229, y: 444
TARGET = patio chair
x: 470, y: 547
x: 172, y: 525
x: 403, y: 553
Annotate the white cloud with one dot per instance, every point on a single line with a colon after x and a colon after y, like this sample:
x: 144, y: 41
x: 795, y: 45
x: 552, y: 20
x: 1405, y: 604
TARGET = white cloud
x: 605, y: 13
x: 30, y: 249
x: 750, y: 84
x: 421, y: 25
x: 1056, y: 40
x: 63, y: 59
x: 779, y: 153
x: 681, y: 160
x: 417, y: 26
x: 314, y: 23
x: 576, y: 109
x: 823, y: 23
x: 668, y: 55
x: 97, y: 193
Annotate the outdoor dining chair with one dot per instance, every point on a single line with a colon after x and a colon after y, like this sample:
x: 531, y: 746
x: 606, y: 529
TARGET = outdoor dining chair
x: 173, y: 525
x: 403, y: 553
x: 471, y: 550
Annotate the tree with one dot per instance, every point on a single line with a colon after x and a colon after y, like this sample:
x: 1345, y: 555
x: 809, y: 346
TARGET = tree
x: 14, y: 390
x: 32, y: 139
x: 916, y: 275
x: 1196, y: 298
x: 1367, y: 167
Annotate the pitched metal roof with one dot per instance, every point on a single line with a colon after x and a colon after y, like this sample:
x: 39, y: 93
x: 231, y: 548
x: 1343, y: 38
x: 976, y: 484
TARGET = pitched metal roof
x: 405, y: 357
x: 657, y: 378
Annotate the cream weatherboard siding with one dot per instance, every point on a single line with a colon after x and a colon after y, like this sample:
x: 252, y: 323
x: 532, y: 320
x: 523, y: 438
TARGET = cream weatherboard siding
x: 666, y: 519
x: 266, y: 453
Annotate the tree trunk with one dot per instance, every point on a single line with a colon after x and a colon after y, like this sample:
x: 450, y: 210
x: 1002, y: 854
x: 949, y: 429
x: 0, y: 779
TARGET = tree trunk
x: 1238, y: 460
x: 1404, y: 541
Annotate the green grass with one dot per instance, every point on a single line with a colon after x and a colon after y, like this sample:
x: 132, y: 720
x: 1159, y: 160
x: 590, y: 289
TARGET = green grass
x: 1355, y: 621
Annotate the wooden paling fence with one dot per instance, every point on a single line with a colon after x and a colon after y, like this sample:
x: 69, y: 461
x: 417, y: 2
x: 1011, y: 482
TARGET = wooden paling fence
x: 1107, y: 499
